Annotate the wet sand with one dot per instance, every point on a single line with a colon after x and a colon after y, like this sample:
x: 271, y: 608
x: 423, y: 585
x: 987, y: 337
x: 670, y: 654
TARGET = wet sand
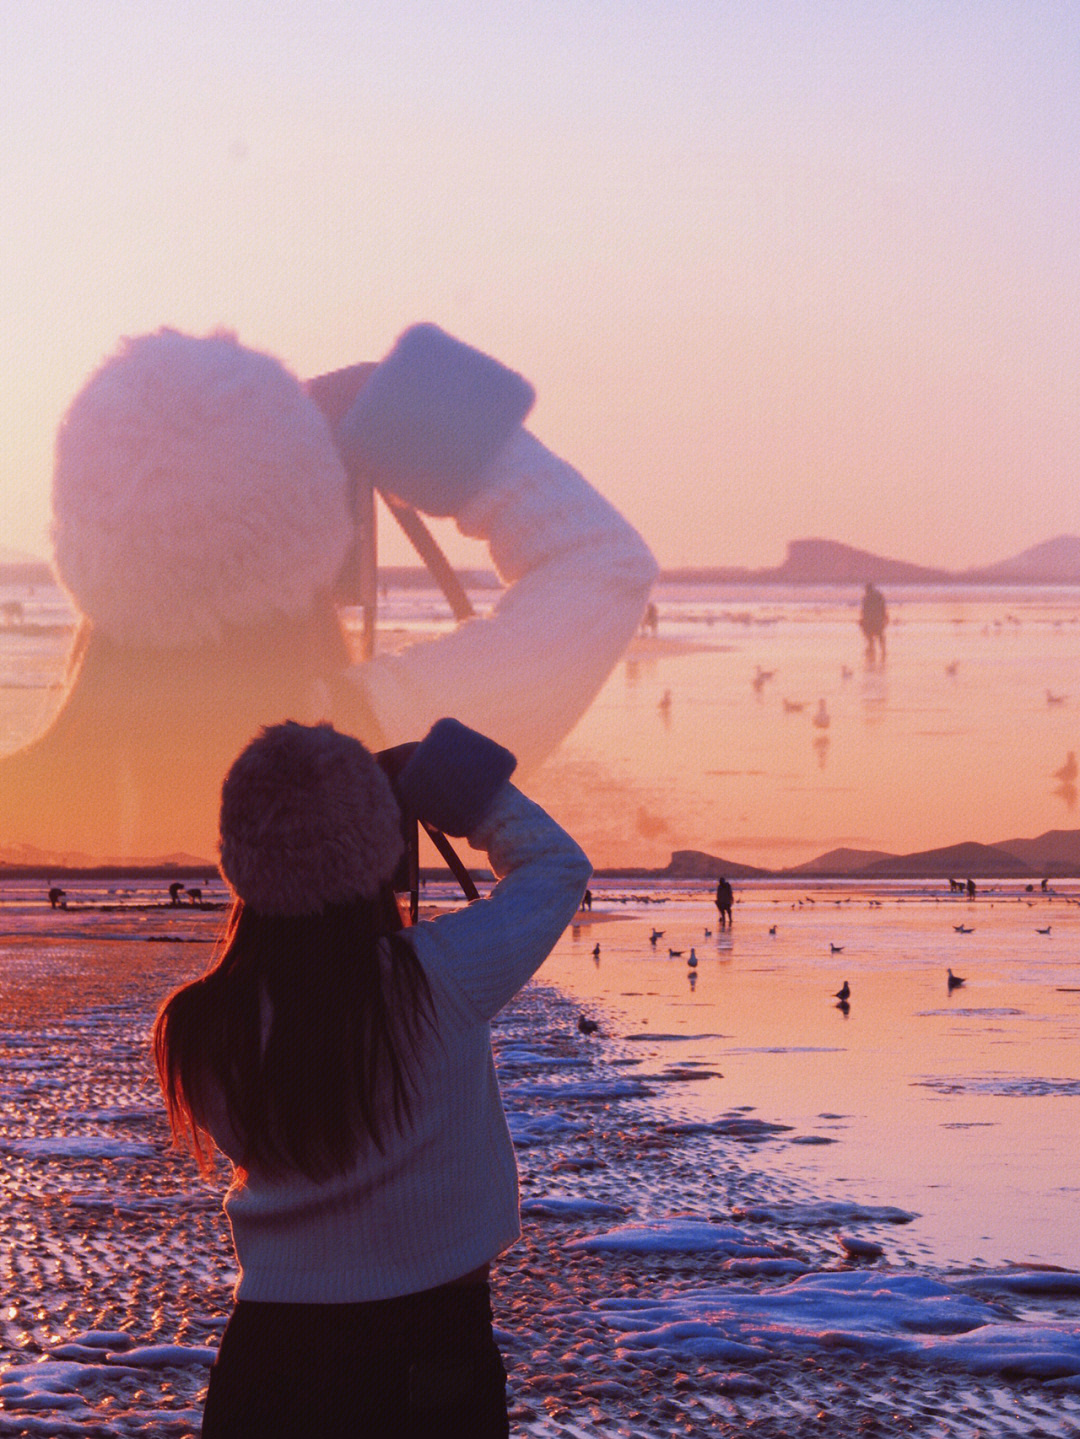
x: 117, y: 1267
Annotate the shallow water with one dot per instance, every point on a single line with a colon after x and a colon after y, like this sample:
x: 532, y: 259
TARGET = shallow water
x: 914, y: 756
x: 957, y: 736
x: 962, y: 1107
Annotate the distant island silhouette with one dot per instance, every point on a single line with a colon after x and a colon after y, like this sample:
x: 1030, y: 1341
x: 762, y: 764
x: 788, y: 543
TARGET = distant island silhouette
x: 1054, y: 855
x: 828, y: 562
x: 807, y: 562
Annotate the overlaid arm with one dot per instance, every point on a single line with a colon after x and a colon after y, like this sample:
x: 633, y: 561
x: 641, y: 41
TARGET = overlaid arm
x: 438, y: 424
x: 578, y: 577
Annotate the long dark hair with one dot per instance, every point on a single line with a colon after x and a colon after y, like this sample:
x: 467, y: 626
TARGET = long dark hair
x: 307, y: 1029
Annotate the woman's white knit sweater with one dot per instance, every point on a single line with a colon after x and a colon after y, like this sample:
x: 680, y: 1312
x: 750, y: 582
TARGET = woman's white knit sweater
x: 443, y: 1198
x: 577, y: 576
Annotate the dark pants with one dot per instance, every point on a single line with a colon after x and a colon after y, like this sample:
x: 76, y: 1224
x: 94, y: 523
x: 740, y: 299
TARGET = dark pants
x: 424, y: 1366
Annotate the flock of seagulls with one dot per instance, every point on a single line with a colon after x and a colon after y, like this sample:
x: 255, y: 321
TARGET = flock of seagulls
x: 842, y: 995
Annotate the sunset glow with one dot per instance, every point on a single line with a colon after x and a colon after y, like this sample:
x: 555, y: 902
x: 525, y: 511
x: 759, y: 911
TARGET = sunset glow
x: 797, y: 270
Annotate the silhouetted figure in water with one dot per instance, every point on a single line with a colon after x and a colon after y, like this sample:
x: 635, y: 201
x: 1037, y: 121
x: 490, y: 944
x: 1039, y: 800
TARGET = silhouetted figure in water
x: 196, y: 896
x: 971, y: 889
x: 56, y: 898
x: 174, y: 892
x: 586, y: 902
x: 650, y: 621
x: 873, y: 617
x: 205, y: 528
x: 725, y: 898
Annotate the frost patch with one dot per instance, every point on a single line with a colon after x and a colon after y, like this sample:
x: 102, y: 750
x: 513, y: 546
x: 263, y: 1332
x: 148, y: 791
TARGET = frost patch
x: 677, y: 1235
x: 74, y: 1146
x: 822, y: 1212
x: 1006, y: 1086
x: 873, y: 1315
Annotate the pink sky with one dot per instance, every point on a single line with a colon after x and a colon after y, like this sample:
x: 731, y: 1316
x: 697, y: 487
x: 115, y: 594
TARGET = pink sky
x: 776, y: 269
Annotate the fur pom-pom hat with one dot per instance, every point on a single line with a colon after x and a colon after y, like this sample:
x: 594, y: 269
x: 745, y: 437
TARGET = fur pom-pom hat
x: 196, y: 488
x: 308, y: 819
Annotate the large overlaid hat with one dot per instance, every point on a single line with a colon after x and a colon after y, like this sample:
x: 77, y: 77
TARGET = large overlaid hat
x: 197, y: 488
x: 308, y: 819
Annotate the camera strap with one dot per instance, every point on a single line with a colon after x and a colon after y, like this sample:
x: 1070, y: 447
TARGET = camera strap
x: 454, y: 864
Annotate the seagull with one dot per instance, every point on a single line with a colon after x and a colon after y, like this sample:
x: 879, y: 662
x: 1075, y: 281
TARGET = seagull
x: 821, y: 715
x: 793, y: 707
x: 587, y: 1026
x: 675, y: 954
x: 1042, y: 931
x: 692, y: 961
x: 951, y: 669
x: 656, y: 934
x: 665, y: 701
x: 836, y: 949
x: 1069, y: 770
x: 1053, y: 699
x: 964, y: 928
x: 955, y: 981
x: 843, y: 994
x: 596, y: 950
x: 772, y: 928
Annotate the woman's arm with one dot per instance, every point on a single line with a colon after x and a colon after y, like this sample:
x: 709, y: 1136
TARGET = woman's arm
x: 578, y: 578
x: 483, y: 954
x: 438, y: 424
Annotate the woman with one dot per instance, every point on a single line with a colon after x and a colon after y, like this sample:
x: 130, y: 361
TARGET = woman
x: 201, y: 525
x: 344, y: 1065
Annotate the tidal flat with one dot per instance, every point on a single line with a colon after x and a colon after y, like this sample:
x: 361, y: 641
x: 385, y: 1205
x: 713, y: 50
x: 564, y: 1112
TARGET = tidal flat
x: 713, y: 1241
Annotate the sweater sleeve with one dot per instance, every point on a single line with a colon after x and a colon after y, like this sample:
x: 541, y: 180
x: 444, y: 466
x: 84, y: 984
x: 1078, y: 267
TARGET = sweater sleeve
x: 482, y: 955
x: 578, y: 578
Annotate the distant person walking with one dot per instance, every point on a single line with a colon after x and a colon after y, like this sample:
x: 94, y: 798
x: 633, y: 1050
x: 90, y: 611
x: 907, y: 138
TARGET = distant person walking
x: 725, y: 898
x: 873, y: 617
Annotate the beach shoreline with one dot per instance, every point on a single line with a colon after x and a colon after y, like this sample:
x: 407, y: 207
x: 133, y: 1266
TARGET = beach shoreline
x: 118, y: 1266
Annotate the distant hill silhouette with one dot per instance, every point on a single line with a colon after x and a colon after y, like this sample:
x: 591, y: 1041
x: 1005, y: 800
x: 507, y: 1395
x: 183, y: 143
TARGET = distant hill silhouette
x: 1053, y: 854
x: 807, y: 562
x: 689, y: 864
x: 1054, y: 562
x: 19, y: 568
x: 959, y: 860
x: 839, y: 862
x: 828, y: 562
